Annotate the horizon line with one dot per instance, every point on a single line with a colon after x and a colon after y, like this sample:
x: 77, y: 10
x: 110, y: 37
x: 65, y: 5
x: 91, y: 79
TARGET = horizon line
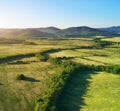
x: 55, y: 27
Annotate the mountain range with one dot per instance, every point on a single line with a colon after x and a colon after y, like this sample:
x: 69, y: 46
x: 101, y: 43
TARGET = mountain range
x: 82, y: 31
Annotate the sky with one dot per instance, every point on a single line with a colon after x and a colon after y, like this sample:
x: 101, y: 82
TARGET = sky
x: 59, y: 13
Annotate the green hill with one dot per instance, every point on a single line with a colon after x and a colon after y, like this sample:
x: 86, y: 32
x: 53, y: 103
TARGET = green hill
x: 82, y: 31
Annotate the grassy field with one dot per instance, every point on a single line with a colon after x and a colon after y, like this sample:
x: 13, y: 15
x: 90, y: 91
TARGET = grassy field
x: 92, y: 91
x: 92, y: 56
x: 18, y: 95
x: 103, y: 93
x: 31, y: 45
x: 82, y: 92
x: 116, y: 39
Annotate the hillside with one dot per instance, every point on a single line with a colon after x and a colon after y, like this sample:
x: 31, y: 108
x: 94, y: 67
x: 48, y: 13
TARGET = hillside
x: 56, y: 32
x: 115, y: 29
x: 83, y: 31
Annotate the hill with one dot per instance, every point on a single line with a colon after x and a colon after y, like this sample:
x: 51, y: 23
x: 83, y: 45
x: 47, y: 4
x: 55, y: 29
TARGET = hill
x: 56, y: 32
x: 115, y: 29
x: 83, y: 31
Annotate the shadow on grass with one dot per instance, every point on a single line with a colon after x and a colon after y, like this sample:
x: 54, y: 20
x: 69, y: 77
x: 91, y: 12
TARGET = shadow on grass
x: 29, y: 79
x: 20, y: 62
x: 15, y: 57
x: 17, y: 62
x: 72, y: 97
x: 1, y: 83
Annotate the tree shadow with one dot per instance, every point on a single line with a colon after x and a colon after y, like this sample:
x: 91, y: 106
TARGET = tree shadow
x: 30, y: 79
x: 15, y: 57
x: 1, y: 83
x: 20, y: 62
x: 17, y: 62
x: 72, y: 98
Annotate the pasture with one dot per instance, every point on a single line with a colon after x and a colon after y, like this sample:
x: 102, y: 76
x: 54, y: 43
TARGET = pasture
x: 86, y: 91
x: 92, y: 91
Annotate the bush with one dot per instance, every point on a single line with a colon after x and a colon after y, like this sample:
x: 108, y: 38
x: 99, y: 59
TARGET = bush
x: 20, y: 77
x: 40, y: 57
x: 108, y: 68
x: 55, y: 61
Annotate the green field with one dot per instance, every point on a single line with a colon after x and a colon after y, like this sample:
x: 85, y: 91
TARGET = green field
x: 92, y: 91
x: 21, y: 95
x: 86, y: 91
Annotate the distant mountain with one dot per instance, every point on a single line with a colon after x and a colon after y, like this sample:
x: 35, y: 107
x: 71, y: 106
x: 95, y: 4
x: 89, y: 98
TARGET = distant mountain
x: 115, y: 29
x: 82, y: 31
x: 24, y: 33
x: 52, y: 30
x: 35, y: 33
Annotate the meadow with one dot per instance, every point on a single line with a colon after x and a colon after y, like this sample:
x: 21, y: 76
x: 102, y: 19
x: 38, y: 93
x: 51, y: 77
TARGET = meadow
x: 92, y: 91
x: 86, y: 90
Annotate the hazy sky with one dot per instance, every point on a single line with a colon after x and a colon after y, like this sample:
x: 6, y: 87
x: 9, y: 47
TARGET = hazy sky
x: 59, y: 13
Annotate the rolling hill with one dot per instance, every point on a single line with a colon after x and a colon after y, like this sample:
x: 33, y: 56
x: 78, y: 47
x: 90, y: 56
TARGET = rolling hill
x: 56, y: 32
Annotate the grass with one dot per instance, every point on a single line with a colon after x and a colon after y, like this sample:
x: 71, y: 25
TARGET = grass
x: 21, y: 95
x: 84, y: 88
x: 8, y: 49
x: 16, y: 49
x: 104, y: 60
x: 92, y: 56
x: 92, y: 92
x: 115, y: 39
x: 103, y: 93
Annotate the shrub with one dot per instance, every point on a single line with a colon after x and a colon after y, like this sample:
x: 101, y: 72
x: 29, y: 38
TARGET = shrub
x: 108, y: 68
x: 40, y: 57
x: 54, y: 61
x: 20, y: 77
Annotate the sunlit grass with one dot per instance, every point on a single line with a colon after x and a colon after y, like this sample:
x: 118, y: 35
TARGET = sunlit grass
x: 115, y: 39
x: 91, y: 56
x: 103, y: 93
x: 91, y: 91
x: 15, y: 94
x: 24, y: 93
